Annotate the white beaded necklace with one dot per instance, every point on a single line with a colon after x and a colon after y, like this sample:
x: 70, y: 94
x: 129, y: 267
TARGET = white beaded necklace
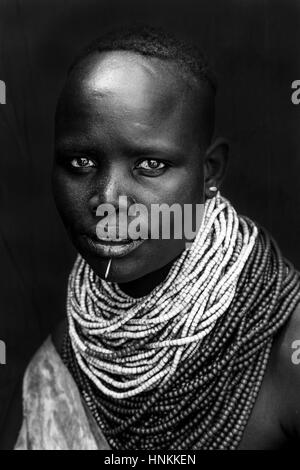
x: 127, y: 346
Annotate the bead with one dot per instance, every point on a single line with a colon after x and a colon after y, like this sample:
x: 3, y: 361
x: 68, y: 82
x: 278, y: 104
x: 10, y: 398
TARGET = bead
x: 182, y: 367
x: 201, y: 284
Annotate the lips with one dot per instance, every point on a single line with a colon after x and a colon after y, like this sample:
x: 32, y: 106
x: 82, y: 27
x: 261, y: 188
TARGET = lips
x: 108, y: 247
x: 110, y: 241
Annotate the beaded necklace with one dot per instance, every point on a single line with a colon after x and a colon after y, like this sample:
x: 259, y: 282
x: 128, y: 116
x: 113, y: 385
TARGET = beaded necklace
x: 182, y: 367
x: 127, y: 346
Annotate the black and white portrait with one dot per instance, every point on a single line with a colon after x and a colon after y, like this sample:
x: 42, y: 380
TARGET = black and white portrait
x: 149, y: 230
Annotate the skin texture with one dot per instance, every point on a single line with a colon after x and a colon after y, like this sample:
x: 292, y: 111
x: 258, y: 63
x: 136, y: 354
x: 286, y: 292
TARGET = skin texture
x: 118, y: 110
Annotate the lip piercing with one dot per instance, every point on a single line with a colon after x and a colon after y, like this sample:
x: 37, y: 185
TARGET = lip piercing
x: 108, y: 268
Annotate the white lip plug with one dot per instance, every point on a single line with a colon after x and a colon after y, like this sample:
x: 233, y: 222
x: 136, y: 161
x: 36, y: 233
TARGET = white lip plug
x: 108, y: 268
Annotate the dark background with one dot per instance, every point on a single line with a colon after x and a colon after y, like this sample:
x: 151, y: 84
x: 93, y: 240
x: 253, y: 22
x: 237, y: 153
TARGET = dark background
x: 255, y: 49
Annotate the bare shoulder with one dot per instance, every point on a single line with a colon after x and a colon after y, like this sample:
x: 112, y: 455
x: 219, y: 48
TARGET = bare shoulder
x: 275, y: 419
x: 285, y: 372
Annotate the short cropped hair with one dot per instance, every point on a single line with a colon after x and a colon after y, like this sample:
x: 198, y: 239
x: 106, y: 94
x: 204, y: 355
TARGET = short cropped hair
x: 155, y: 42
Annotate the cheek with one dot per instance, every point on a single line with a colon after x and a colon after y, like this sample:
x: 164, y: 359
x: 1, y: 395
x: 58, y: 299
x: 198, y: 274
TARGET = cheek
x: 186, y: 188
x: 70, y: 197
x: 195, y: 180
x: 195, y: 189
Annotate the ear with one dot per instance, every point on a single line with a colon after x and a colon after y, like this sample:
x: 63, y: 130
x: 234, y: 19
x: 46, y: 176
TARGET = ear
x: 215, y: 164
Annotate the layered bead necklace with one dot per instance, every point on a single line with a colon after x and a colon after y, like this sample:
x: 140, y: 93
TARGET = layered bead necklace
x: 182, y: 366
x: 127, y: 346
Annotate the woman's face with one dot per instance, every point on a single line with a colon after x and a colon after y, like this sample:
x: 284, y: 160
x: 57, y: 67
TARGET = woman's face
x: 126, y: 126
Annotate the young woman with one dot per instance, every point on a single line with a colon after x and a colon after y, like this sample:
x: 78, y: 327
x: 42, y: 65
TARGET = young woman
x: 166, y: 345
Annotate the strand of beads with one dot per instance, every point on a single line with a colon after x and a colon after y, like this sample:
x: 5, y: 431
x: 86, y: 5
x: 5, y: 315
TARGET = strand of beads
x: 208, y: 400
x: 128, y: 346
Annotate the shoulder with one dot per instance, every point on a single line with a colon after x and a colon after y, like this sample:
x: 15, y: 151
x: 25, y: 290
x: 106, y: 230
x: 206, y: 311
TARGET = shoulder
x: 285, y: 373
x: 45, y: 373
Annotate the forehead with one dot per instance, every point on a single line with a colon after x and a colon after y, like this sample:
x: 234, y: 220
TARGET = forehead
x: 130, y: 93
x: 133, y: 82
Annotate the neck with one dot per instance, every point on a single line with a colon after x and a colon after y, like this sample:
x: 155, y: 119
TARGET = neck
x: 144, y: 285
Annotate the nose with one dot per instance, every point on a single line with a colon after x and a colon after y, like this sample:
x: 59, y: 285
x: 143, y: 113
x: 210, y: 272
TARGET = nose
x: 109, y: 188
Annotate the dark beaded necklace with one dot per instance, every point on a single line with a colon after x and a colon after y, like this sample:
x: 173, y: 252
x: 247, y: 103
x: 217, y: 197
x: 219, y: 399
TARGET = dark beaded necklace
x: 208, y: 401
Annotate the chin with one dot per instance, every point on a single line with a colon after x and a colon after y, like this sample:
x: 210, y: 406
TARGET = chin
x: 146, y: 258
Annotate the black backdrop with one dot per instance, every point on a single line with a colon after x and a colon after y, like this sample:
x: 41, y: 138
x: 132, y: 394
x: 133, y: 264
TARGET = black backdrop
x: 255, y: 49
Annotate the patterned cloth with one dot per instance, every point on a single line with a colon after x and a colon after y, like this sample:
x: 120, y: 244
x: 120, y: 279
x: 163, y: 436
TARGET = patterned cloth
x: 54, y: 416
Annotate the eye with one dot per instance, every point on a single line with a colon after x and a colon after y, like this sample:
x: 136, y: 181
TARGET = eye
x: 81, y: 162
x: 151, y: 165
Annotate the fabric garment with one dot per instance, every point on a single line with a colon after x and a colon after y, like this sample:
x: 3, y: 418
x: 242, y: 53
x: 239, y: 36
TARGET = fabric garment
x: 54, y: 416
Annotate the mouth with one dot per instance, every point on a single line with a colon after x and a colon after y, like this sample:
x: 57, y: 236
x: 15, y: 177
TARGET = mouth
x: 110, y: 248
